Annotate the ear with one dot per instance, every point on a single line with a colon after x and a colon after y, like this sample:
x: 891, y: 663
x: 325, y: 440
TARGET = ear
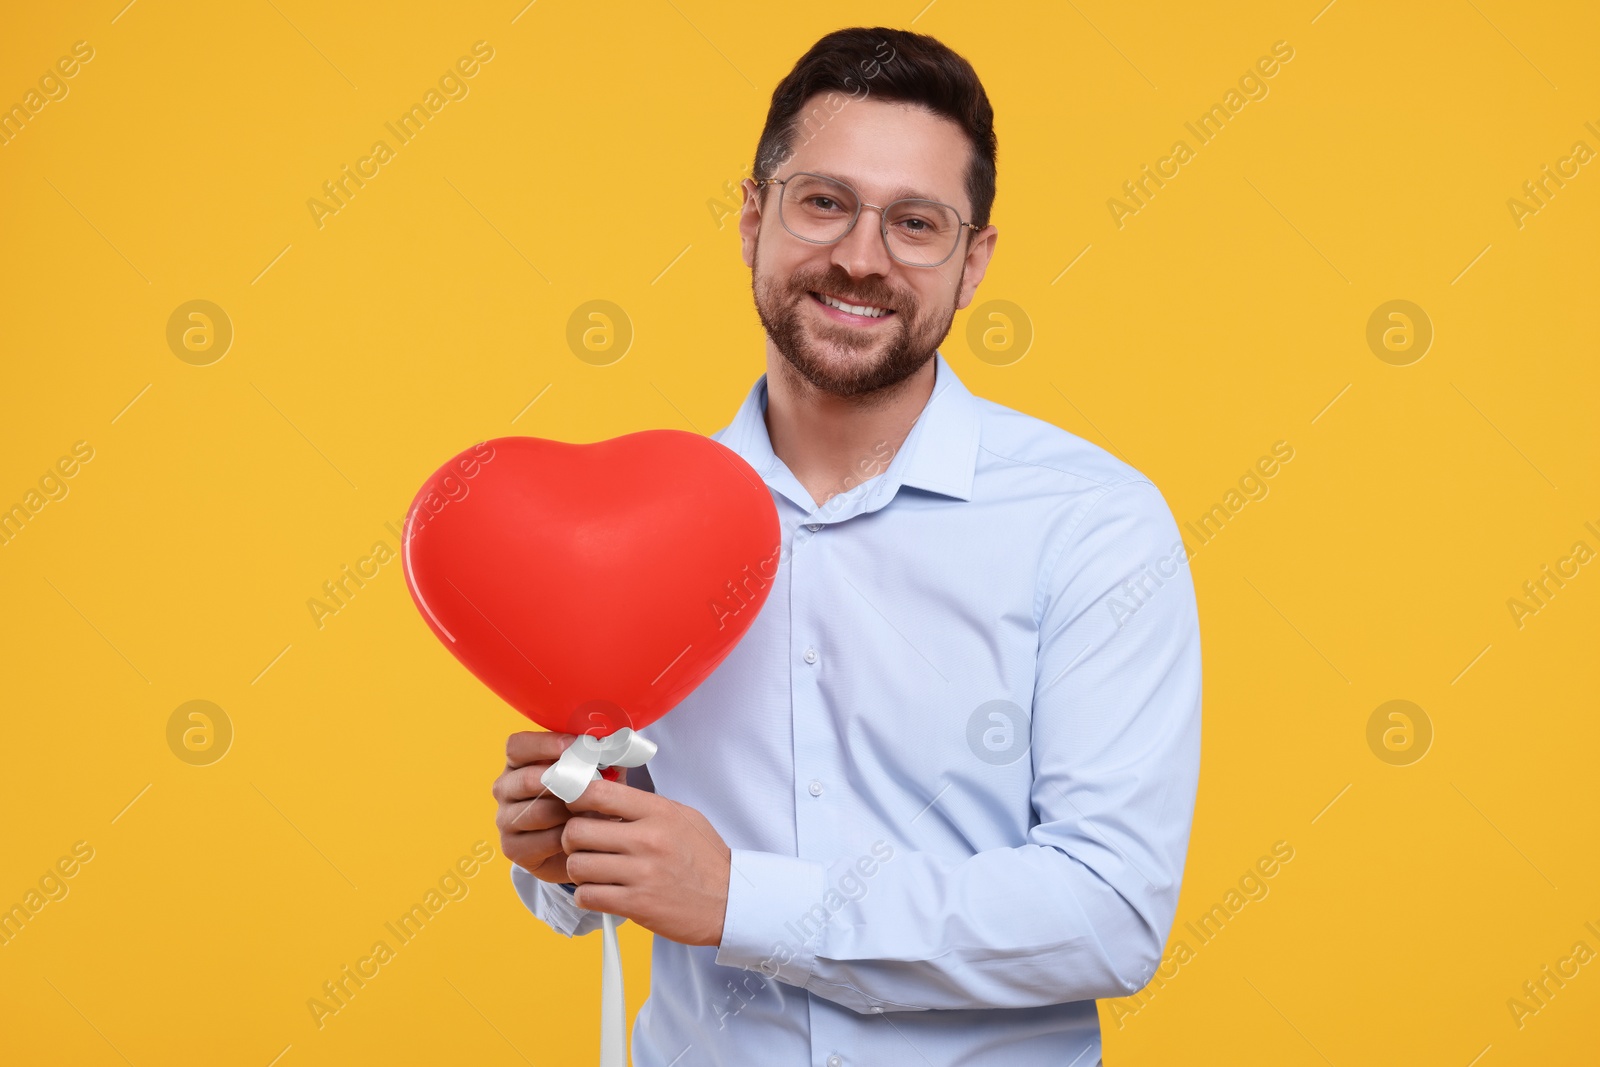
x: 976, y: 262
x: 749, y: 221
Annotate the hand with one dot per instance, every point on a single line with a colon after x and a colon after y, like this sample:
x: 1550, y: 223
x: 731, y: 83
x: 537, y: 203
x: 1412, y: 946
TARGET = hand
x: 529, y: 817
x: 663, y: 865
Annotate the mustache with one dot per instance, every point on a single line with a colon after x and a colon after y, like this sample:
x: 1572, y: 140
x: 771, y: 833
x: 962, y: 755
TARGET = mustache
x: 848, y: 293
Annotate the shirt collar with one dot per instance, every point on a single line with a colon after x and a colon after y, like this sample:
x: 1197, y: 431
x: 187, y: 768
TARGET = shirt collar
x: 939, y: 455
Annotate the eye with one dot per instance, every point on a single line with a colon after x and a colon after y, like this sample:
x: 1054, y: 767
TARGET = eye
x: 915, y: 225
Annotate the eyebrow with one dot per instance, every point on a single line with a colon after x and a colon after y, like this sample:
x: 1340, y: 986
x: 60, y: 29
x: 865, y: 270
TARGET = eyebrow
x: 902, y: 193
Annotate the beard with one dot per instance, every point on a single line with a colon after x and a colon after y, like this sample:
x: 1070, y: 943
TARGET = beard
x: 849, y: 362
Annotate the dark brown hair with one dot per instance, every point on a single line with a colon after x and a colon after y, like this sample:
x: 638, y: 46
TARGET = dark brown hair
x: 892, y: 65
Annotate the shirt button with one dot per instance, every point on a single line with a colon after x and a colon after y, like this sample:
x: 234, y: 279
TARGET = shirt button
x: 811, y: 655
x: 834, y: 1061
x: 814, y: 527
x: 816, y: 791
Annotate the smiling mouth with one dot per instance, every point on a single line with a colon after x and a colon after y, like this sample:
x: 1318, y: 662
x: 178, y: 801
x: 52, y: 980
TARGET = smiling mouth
x: 844, y: 309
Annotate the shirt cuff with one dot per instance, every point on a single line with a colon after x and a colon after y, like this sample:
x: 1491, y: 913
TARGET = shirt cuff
x: 552, y: 904
x: 775, y: 915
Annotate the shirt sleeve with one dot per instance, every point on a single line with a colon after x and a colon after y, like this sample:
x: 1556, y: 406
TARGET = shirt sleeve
x: 551, y: 902
x: 1083, y: 908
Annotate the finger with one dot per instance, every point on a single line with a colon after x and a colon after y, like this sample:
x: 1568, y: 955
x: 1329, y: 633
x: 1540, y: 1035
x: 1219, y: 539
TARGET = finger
x: 591, y: 815
x: 530, y: 745
x: 605, y: 868
x: 597, y: 835
x: 613, y: 798
x: 553, y: 869
x: 522, y: 783
x: 524, y: 815
x: 597, y: 896
x: 534, y: 848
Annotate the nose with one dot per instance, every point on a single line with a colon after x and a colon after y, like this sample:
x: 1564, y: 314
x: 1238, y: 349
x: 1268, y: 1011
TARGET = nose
x: 862, y: 251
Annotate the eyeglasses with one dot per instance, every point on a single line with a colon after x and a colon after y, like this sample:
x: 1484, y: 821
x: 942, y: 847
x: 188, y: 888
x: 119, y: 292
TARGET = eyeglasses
x: 821, y: 210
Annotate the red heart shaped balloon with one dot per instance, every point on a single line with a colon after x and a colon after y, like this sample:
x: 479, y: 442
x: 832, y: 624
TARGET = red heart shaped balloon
x: 592, y: 586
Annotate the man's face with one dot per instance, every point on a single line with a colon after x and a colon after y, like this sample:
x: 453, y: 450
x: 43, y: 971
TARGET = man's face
x: 884, y: 151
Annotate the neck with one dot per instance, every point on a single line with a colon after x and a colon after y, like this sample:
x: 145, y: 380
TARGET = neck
x: 833, y: 443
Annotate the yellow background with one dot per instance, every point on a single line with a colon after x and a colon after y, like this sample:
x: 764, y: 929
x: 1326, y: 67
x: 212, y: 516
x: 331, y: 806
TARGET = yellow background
x: 432, y: 310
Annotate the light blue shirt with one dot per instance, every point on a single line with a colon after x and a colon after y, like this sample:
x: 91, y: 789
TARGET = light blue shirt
x: 955, y: 758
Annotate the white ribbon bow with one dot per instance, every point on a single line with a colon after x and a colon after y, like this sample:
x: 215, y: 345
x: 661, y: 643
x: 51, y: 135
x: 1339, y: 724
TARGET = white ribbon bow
x: 580, y: 764
x: 567, y: 778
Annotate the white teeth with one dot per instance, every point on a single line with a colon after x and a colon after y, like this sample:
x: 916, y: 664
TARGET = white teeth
x: 854, y: 309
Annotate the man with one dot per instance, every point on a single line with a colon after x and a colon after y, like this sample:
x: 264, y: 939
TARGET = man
x: 938, y: 798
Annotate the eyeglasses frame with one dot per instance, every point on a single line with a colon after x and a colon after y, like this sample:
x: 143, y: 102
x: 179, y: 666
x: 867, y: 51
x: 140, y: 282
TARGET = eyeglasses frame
x: 883, y: 218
